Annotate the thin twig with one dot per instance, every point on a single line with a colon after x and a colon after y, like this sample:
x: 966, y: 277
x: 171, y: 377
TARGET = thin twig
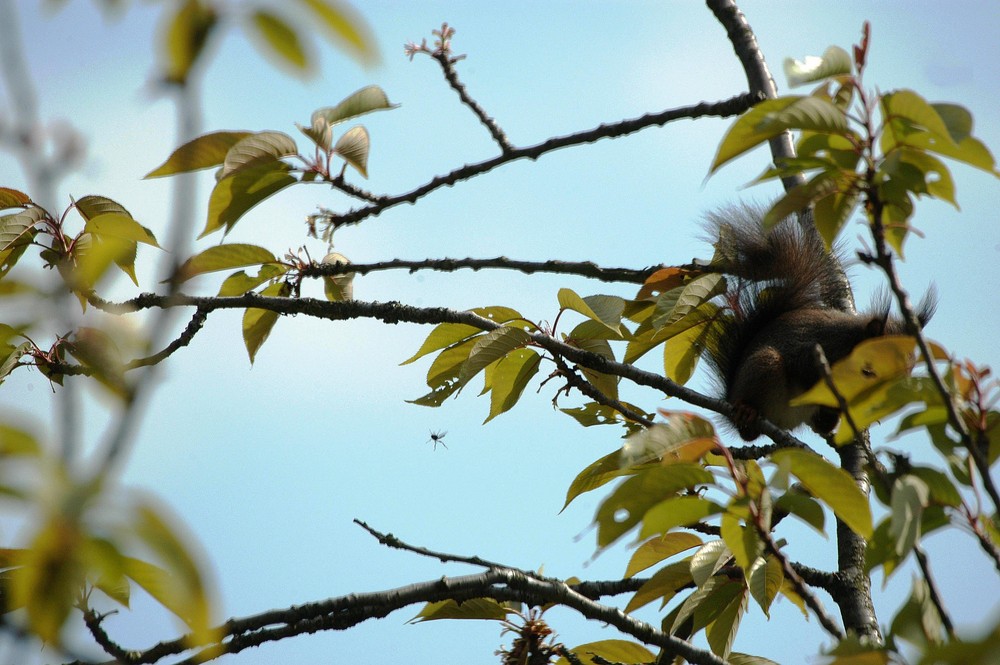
x: 448, y: 67
x: 925, y: 570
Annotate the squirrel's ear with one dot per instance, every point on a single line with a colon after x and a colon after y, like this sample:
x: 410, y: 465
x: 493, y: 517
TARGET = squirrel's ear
x: 876, y: 325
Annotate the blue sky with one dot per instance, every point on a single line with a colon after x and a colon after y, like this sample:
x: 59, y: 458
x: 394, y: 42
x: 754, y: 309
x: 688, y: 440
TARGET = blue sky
x: 268, y: 465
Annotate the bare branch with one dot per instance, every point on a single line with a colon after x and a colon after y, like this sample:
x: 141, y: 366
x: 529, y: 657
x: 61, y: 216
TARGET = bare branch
x: 448, y: 68
x: 581, y: 268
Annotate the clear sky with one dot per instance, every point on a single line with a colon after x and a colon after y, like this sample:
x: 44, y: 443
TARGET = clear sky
x: 267, y: 465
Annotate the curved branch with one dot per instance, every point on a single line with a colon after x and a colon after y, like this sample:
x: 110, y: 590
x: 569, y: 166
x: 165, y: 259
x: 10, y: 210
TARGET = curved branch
x: 448, y: 68
x: 580, y: 268
x: 758, y: 75
x: 725, y: 108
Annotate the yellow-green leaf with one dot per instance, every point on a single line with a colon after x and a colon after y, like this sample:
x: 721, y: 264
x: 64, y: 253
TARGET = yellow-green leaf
x: 199, y: 153
x: 257, y: 323
x: 475, y: 608
x: 353, y: 147
x: 598, y: 473
x: 13, y: 198
x: 509, y: 379
x: 120, y: 226
x: 239, y: 282
x: 365, y: 100
x: 491, y: 347
x: 657, y: 549
x: 346, y: 27
x: 606, y: 310
x: 749, y: 130
x: 831, y: 485
x: 257, y: 150
x: 664, y: 584
x: 186, y: 35
x: 281, y: 38
x: 223, y: 257
x: 765, y: 578
x: 234, y: 196
x: 834, y: 62
x: 338, y: 288
x: 611, y: 651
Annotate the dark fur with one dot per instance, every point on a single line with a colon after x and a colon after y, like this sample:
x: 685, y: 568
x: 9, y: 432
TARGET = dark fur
x: 787, y: 294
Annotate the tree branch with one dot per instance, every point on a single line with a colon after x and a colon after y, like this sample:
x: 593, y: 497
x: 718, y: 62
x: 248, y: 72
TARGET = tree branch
x: 725, y: 108
x: 448, y: 68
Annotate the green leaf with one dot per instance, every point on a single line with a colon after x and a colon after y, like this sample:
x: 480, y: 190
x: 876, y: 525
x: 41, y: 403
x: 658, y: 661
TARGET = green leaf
x: 657, y: 549
x: 593, y: 413
x: 346, y: 27
x: 234, y: 196
x: 18, y: 229
x: 239, y: 282
x: 491, y: 347
x: 199, y: 153
x: 765, y: 578
x: 673, y: 513
x: 675, y: 304
x: 942, y: 490
x: 510, y: 377
x: 353, y: 146
x: 613, y: 651
x: 681, y: 352
x: 606, y: 384
x: 749, y: 130
x: 708, y: 602
x: 447, y: 367
x: 598, y: 473
x: 257, y: 323
x: 722, y: 630
x: 606, y: 310
x: 281, y: 39
x: 708, y: 560
x: 829, y: 484
x: 121, y: 226
x: 909, y: 498
x: 262, y: 148
x: 664, y: 583
x: 804, y: 507
x: 187, y: 33
x: 319, y: 133
x: 913, y: 108
x: 475, y: 608
x: 834, y: 62
x: 741, y: 539
x: 634, y: 500
x: 223, y: 257
x: 365, y: 100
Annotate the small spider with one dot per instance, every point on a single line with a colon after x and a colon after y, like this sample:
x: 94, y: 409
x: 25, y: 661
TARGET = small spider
x: 436, y: 438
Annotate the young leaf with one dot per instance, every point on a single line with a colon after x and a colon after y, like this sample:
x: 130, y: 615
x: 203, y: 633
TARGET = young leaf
x: 199, y: 153
x: 447, y: 367
x: 831, y: 485
x: 18, y: 229
x: 721, y: 632
x: 338, y: 288
x: 223, y: 257
x: 365, y: 100
x: 281, y: 39
x: 239, y: 282
x: 257, y: 323
x: 749, y: 131
x: 597, y: 473
x: 234, y: 196
x: 353, y: 147
x: 909, y: 498
x: 606, y: 310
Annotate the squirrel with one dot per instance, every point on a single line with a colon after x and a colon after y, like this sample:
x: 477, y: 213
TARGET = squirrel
x: 789, y: 293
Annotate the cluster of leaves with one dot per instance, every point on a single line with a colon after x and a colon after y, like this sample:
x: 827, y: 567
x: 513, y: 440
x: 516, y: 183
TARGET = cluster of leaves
x: 253, y: 166
x: 78, y: 547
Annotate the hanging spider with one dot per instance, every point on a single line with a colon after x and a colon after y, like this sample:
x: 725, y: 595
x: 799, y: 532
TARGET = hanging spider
x: 436, y: 438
